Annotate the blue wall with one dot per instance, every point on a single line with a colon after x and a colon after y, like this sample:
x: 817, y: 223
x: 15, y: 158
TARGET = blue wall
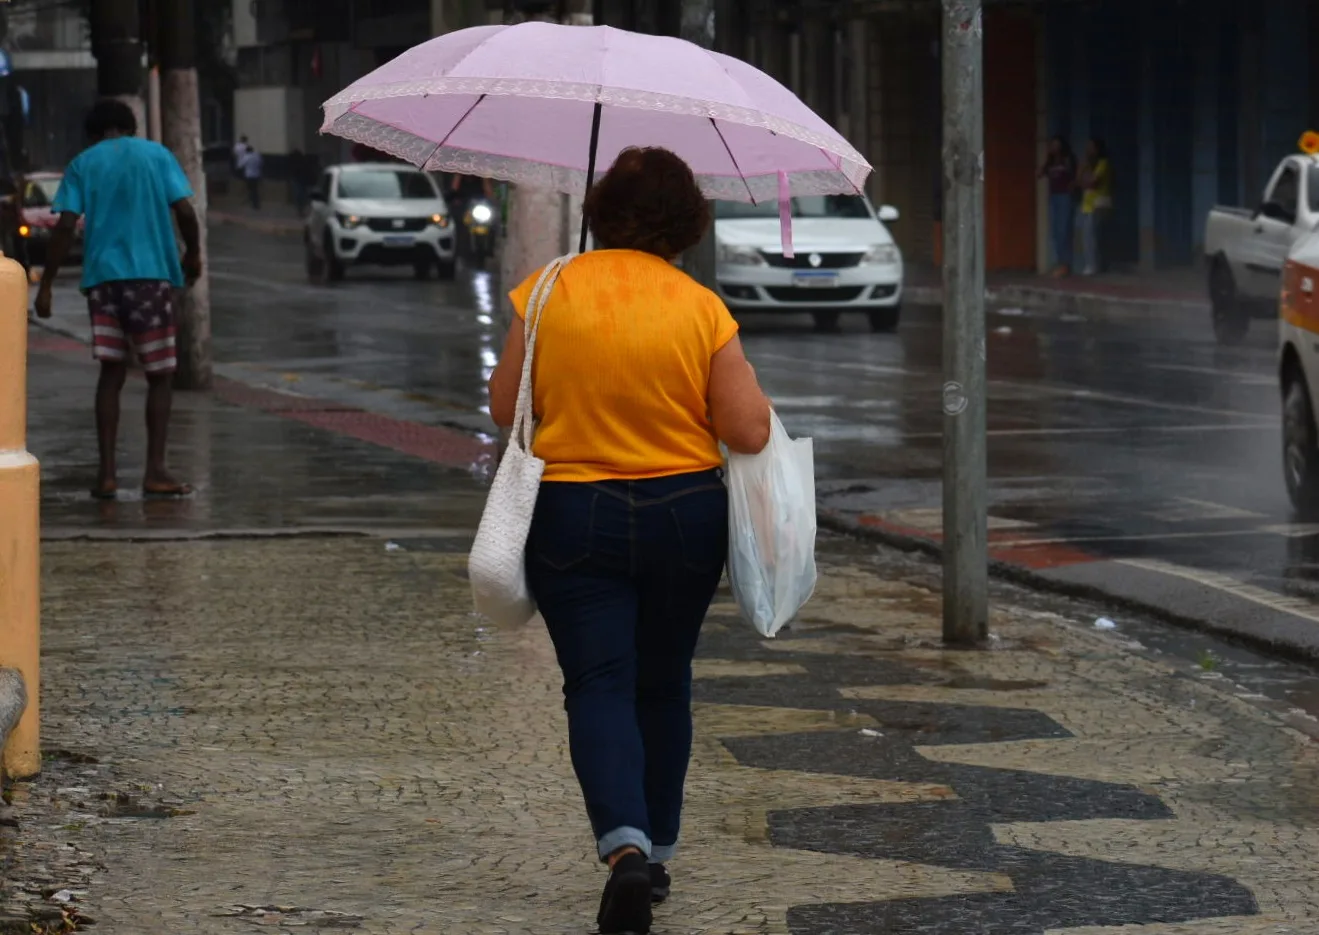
x: 1196, y: 110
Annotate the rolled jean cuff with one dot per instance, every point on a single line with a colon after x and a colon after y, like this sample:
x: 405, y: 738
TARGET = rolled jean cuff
x: 662, y: 853
x: 623, y: 837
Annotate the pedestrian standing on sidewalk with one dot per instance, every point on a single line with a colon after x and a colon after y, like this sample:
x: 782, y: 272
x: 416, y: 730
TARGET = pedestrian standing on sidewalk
x: 127, y: 188
x: 251, y: 165
x: 1059, y: 170
x: 1096, y: 183
x: 639, y: 374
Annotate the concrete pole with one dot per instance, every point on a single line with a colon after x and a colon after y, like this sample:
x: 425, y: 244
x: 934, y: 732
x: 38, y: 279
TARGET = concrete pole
x: 153, y: 105
x: 181, y: 132
x: 698, y: 26
x: 537, y: 232
x: 20, y: 546
x: 965, y: 555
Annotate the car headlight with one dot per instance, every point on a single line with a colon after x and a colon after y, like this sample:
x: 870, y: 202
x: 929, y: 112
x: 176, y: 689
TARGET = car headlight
x: 439, y: 220
x: 738, y: 256
x: 482, y: 214
x: 24, y: 230
x: 349, y: 221
x: 883, y: 255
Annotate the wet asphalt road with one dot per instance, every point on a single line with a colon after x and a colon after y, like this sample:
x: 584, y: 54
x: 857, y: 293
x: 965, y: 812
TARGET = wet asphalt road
x: 1132, y: 441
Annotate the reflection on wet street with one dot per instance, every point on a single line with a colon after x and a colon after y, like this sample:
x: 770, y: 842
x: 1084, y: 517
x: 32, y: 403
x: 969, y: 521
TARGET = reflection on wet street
x: 1135, y: 440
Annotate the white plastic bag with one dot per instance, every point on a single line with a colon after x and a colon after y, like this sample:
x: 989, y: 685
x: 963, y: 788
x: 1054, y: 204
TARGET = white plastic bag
x: 771, y: 519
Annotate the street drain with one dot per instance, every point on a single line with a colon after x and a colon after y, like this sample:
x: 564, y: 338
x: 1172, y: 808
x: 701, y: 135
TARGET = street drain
x: 293, y: 916
x: 123, y: 805
x: 975, y: 683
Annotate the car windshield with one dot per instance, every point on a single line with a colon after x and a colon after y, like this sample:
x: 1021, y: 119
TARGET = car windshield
x: 805, y: 206
x: 386, y: 185
x: 40, y: 193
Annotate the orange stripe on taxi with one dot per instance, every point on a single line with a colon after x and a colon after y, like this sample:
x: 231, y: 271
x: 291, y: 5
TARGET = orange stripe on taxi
x: 1300, y: 296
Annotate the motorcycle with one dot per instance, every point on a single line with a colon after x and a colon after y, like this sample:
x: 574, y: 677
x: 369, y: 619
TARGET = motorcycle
x: 479, y: 229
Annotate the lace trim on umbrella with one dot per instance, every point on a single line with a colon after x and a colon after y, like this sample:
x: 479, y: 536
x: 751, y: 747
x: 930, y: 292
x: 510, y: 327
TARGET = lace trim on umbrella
x: 594, y: 93
x: 426, y: 154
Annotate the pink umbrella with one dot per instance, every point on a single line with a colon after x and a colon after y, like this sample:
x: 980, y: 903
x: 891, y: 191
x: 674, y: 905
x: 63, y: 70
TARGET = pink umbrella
x: 540, y: 104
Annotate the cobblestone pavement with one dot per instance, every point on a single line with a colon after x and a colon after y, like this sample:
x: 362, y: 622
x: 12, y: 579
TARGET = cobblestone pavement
x: 322, y: 725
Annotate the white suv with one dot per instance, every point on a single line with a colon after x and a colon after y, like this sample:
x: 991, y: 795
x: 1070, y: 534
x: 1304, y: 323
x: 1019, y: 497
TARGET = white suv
x: 383, y: 214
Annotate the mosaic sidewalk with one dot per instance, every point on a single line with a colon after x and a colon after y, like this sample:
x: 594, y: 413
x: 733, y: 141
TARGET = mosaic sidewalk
x: 316, y: 734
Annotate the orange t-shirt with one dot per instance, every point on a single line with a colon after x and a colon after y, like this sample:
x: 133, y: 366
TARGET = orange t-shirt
x: 621, y: 376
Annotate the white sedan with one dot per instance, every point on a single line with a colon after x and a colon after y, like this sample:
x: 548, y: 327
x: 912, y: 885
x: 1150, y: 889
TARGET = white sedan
x: 846, y: 260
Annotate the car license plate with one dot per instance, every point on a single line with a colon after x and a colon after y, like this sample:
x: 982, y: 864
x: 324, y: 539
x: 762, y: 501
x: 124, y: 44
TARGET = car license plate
x: 398, y: 240
x: 815, y: 280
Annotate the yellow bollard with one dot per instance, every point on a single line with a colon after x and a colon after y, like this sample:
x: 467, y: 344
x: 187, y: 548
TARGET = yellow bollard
x: 20, y: 543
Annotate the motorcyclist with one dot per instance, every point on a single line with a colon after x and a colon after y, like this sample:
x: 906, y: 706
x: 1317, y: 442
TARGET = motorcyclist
x: 464, y: 191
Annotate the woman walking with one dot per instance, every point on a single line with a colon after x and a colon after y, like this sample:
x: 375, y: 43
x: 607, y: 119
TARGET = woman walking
x: 1060, y: 170
x: 639, y: 373
x: 1096, y: 183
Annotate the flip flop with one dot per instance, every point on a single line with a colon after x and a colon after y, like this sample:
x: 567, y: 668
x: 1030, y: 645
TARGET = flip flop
x: 167, y: 491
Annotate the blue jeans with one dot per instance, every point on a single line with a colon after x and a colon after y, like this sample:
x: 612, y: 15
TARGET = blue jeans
x: 623, y: 573
x: 1061, y: 228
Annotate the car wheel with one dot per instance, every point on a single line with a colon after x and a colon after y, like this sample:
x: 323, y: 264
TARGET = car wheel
x: 1300, y: 453
x: 448, y: 269
x: 885, y: 320
x: 826, y: 322
x: 334, y: 267
x: 1231, y: 322
x: 315, y: 265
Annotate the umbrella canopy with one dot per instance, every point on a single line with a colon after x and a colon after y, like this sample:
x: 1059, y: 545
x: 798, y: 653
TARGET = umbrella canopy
x: 525, y: 103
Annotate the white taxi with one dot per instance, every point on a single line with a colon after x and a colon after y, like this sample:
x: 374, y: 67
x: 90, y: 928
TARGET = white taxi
x: 1298, y: 374
x: 845, y: 260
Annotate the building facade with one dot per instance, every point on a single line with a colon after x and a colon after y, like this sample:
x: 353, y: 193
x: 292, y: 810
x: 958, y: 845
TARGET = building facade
x: 1196, y: 103
x: 49, y: 46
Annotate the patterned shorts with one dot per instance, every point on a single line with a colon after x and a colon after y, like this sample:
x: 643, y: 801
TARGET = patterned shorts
x: 136, y: 315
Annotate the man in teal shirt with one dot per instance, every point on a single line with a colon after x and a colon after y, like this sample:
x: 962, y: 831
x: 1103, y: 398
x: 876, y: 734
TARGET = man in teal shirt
x: 130, y: 191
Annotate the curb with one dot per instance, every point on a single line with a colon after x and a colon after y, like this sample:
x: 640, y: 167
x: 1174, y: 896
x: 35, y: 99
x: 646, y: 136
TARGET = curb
x: 260, y: 225
x: 13, y: 702
x: 1085, y: 304
x: 1027, y: 577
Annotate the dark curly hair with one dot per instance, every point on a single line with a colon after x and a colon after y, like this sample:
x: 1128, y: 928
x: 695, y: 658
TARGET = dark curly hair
x: 109, y: 114
x: 648, y: 201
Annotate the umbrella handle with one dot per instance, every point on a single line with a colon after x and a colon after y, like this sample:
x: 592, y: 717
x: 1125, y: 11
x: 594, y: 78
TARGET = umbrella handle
x: 590, y: 167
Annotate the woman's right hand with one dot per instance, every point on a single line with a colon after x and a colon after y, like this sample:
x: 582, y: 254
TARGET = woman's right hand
x: 739, y: 408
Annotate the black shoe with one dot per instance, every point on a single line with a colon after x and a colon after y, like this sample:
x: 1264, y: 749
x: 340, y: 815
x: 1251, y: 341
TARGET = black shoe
x: 625, y: 905
x: 660, y: 883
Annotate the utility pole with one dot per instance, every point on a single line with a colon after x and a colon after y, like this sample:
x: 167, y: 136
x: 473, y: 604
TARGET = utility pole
x: 697, y: 25
x: 540, y: 222
x: 176, y: 52
x: 117, y: 45
x: 965, y: 555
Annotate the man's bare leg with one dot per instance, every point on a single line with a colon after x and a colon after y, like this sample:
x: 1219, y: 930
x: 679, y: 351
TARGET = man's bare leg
x: 160, y: 397
x: 108, y: 388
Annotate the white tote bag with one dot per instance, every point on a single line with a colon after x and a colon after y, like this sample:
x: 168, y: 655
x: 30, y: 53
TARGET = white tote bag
x: 771, y: 522
x: 497, y: 565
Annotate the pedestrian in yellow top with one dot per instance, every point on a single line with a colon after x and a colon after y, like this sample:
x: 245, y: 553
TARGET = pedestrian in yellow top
x: 1096, y: 183
x: 639, y: 374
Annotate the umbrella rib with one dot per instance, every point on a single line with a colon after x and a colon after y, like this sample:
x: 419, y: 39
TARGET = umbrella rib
x: 728, y: 149
x: 453, y: 129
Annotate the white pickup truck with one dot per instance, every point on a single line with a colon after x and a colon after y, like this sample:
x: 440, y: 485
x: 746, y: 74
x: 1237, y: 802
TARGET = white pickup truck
x: 1246, y: 248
